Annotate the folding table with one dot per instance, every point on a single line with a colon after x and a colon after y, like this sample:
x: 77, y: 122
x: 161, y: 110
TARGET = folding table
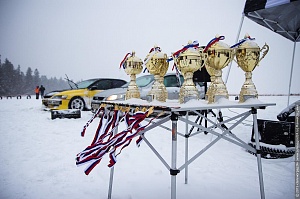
x: 175, y: 112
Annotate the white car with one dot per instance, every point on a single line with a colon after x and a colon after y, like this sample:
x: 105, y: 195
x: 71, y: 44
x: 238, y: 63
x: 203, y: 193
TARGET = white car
x: 145, y: 84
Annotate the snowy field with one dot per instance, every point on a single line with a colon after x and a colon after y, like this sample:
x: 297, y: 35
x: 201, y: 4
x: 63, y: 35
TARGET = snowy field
x: 38, y: 161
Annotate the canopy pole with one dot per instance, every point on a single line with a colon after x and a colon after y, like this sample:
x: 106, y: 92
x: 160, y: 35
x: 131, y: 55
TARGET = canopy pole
x: 237, y: 39
x: 291, y: 74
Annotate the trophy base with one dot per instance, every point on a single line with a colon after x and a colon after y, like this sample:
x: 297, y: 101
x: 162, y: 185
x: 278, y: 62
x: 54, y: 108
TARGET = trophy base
x: 188, y: 90
x: 188, y: 93
x: 158, y: 91
x: 157, y: 96
x: 217, y: 89
x: 188, y: 98
x: 214, y: 98
x: 243, y: 98
x: 132, y: 94
x: 248, y: 89
x: 132, y: 90
x: 208, y: 92
x: 217, y: 92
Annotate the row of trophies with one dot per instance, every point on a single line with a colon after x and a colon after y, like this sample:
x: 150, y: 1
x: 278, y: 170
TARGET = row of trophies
x: 215, y: 56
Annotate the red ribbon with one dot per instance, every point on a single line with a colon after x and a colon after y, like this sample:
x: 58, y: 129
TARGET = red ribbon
x: 123, y: 61
x: 213, y: 41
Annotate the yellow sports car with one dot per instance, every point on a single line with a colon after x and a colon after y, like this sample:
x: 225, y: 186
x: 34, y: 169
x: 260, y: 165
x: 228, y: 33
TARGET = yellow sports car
x: 81, y: 96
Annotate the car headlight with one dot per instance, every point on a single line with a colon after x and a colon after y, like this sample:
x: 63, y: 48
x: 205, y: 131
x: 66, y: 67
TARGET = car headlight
x: 115, y: 97
x: 59, y: 97
x: 96, y: 98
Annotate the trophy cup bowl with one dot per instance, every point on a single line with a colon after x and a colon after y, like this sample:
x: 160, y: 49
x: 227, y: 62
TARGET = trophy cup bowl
x: 133, y: 66
x: 157, y: 65
x: 248, y: 57
x: 219, y: 56
x: 188, y: 62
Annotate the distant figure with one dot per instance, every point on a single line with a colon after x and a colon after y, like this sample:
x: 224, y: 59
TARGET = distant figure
x: 37, y: 92
x: 42, y: 90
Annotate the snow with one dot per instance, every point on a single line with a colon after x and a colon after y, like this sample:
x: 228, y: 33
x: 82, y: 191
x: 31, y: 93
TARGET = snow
x: 38, y: 160
x: 220, y: 103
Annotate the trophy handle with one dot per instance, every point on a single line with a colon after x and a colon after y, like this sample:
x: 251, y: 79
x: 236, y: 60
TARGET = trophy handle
x: 233, y: 55
x: 174, y: 59
x: 204, y: 56
x: 266, y: 47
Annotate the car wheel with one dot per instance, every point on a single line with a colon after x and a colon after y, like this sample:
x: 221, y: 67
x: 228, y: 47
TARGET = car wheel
x: 77, y: 103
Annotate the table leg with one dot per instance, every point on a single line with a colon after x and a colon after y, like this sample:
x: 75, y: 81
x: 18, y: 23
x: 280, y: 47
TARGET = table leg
x: 173, y: 170
x: 111, y: 178
x: 111, y: 175
x: 186, y: 148
x: 258, y: 153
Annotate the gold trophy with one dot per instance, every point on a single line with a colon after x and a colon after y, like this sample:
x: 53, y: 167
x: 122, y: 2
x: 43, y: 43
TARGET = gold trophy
x: 188, y: 61
x: 133, y: 66
x: 157, y: 65
x: 248, y: 57
x: 219, y: 56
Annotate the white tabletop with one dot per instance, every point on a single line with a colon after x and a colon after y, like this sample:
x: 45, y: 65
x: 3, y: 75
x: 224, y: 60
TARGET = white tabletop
x: 174, y: 105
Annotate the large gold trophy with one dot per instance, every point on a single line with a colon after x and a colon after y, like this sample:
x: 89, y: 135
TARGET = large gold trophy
x: 157, y: 65
x: 248, y: 57
x: 188, y: 61
x: 133, y: 66
x: 219, y: 56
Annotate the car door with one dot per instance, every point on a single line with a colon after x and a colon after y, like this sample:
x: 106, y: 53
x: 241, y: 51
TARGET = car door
x: 98, y: 86
x: 173, y: 86
x: 117, y: 83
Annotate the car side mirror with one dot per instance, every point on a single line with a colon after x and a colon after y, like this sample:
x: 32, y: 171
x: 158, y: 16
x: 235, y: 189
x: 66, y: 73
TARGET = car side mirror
x: 93, y: 88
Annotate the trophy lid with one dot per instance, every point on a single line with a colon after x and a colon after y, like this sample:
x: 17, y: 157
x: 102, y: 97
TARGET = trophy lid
x: 160, y: 55
x: 155, y: 53
x: 248, y: 44
x: 133, y: 60
x: 219, y: 45
x: 190, y: 51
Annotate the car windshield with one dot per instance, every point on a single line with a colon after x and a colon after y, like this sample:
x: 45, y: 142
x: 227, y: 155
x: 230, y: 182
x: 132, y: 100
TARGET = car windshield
x: 142, y: 81
x: 86, y: 83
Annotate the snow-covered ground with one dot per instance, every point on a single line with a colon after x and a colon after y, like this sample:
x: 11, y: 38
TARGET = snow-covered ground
x: 37, y: 160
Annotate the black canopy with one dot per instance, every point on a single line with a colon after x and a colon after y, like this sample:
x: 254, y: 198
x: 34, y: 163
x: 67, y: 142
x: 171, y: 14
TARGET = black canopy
x: 280, y: 16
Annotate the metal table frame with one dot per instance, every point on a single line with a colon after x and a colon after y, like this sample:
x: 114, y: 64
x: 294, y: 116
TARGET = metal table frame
x: 177, y: 113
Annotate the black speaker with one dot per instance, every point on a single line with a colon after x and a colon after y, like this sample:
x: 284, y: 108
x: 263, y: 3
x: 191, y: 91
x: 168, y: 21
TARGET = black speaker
x: 276, y: 132
x: 201, y: 75
x: 68, y: 113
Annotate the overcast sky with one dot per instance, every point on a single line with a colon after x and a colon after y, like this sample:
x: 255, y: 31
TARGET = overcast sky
x: 87, y: 39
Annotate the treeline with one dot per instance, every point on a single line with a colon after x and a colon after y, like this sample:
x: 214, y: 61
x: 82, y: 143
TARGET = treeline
x: 14, y: 82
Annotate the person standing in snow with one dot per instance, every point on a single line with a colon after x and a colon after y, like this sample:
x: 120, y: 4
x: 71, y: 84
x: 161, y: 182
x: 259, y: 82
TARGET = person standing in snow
x: 42, y: 90
x: 37, y: 92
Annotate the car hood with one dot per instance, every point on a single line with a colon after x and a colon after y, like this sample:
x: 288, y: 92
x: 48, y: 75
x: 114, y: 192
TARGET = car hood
x: 50, y: 94
x: 66, y: 92
x: 110, y: 92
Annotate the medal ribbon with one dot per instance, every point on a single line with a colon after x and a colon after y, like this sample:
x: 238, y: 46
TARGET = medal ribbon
x: 242, y: 41
x: 94, y: 153
x: 122, y: 64
x: 195, y: 44
x: 100, y: 110
x: 213, y: 41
